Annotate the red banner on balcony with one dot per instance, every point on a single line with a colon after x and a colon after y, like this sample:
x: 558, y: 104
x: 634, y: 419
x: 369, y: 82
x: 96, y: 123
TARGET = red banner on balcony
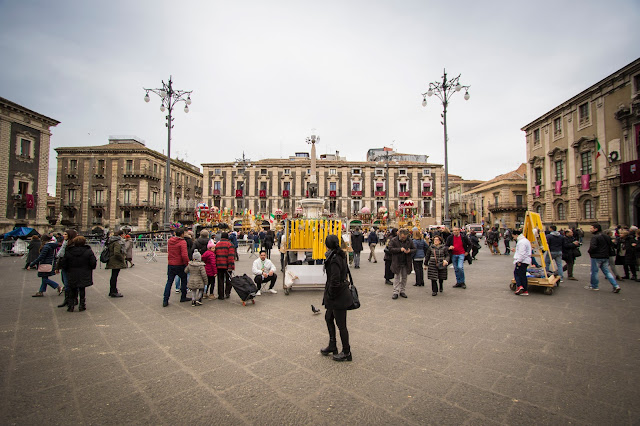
x: 30, y: 201
x: 403, y: 194
x: 356, y: 193
x: 558, y: 190
x: 332, y: 194
x: 427, y: 193
x: 216, y: 192
x: 285, y: 194
x: 263, y: 193
x: 537, y: 189
x: 584, y: 180
x: 238, y: 193
x: 630, y: 171
x: 380, y: 193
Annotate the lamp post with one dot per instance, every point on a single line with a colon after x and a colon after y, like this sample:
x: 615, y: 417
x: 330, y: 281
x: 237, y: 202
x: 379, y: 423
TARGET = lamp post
x: 386, y: 157
x: 169, y: 98
x: 443, y: 91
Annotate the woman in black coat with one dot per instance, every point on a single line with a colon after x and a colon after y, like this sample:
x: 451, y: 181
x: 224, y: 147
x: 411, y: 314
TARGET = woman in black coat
x: 34, y: 250
x: 337, y: 298
x: 437, y: 258
x: 268, y: 242
x: 46, y: 258
x: 79, y: 261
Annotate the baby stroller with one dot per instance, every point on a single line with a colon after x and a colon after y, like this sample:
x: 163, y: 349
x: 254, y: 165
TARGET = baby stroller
x: 245, y: 287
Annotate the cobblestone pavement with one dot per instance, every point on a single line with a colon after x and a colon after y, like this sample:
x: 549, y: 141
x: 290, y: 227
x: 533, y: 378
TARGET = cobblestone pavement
x: 474, y: 356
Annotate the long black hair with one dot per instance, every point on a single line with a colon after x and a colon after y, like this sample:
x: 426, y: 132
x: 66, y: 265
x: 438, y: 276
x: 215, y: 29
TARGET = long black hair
x: 333, y: 244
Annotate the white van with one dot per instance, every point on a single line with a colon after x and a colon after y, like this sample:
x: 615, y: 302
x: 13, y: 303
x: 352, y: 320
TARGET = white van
x: 475, y: 227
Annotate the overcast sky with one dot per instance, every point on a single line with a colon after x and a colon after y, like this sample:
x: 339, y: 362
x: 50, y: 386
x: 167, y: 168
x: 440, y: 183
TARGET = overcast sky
x: 265, y: 73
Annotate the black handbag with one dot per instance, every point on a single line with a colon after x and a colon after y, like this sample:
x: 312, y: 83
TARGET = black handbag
x: 354, y: 292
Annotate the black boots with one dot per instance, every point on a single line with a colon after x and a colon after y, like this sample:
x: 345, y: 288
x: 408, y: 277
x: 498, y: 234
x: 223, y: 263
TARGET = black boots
x: 342, y: 356
x: 440, y: 287
x: 71, y: 304
x: 332, y: 348
x: 83, y: 305
x: 65, y: 302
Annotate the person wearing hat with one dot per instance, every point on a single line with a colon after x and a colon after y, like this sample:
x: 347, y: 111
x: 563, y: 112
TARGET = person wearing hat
x: 197, y: 277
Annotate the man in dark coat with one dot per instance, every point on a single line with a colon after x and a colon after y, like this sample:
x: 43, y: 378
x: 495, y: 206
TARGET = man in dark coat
x: 79, y: 261
x: 402, y: 250
x: 372, y: 239
x: 356, y: 244
x: 201, y: 243
x: 599, y: 251
x: 116, y: 261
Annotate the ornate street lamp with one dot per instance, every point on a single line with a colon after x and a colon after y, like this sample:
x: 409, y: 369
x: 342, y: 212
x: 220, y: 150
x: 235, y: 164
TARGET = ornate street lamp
x: 443, y: 91
x: 169, y: 98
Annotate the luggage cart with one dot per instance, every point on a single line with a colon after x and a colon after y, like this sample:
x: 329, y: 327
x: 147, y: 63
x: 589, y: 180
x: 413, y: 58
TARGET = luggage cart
x: 533, y: 232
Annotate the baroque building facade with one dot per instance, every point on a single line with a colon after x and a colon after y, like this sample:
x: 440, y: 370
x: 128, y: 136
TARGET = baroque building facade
x: 501, y: 201
x: 122, y: 184
x: 266, y: 185
x: 24, y: 174
x: 583, y: 155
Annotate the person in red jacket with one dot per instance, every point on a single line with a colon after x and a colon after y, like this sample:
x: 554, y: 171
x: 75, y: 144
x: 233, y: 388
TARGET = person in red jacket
x: 225, y: 261
x: 209, y: 259
x: 178, y: 259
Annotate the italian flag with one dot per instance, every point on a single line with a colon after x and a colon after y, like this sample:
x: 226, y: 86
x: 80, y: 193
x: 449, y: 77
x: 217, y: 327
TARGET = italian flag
x: 272, y: 218
x: 599, y: 149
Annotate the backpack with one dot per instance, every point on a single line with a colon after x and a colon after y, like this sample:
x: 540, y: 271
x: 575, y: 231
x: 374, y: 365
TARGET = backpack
x: 105, y: 255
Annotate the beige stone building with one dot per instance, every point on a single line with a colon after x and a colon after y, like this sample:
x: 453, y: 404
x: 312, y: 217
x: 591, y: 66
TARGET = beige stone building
x: 461, y: 212
x: 24, y: 172
x: 347, y: 186
x: 123, y: 184
x: 570, y: 180
x: 501, y: 201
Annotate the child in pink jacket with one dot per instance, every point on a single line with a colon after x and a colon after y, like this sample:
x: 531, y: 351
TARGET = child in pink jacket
x: 209, y: 259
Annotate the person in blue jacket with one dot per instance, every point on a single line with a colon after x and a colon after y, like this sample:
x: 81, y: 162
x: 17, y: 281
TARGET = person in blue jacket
x: 45, y: 261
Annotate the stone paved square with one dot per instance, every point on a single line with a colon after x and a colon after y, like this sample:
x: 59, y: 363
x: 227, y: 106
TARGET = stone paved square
x: 474, y: 356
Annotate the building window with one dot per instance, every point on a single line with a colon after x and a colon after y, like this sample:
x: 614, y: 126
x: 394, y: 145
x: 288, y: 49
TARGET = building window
x: 263, y: 186
x: 126, y: 216
x: 286, y: 204
x: 426, y: 208
x: 519, y: 200
x: 559, y: 170
x: 583, y: 114
x: 333, y: 172
x: 539, y: 210
x: 379, y: 172
x: 333, y: 186
x: 72, y: 195
x: 239, y: 205
x: 99, y: 196
x: 240, y: 185
x: 586, y: 163
x: 588, y: 210
x: 287, y: 186
x: 25, y: 148
x: 217, y: 185
x: 379, y: 186
x: 356, y: 186
x: 129, y: 166
x: 217, y: 172
x: 263, y: 172
x: 155, y: 168
x: 538, y: 172
x: 73, y: 165
x: 536, y: 137
x: 557, y: 127
x: 402, y: 172
x: 263, y: 206
x: 402, y: 187
x: 308, y: 171
x: 101, y: 167
x: 426, y: 186
x: 355, y: 171
x: 332, y: 206
x: 154, y: 198
x: 426, y: 172
x: 127, y: 196
x: 23, y: 188
x: 356, y: 206
x: 636, y: 83
x: 287, y: 172
x: 561, y: 213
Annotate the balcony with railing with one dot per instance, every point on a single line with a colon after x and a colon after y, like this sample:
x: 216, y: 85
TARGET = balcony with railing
x: 184, y: 206
x: 507, y: 207
x: 141, y: 174
x: 404, y: 194
x: 380, y: 193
